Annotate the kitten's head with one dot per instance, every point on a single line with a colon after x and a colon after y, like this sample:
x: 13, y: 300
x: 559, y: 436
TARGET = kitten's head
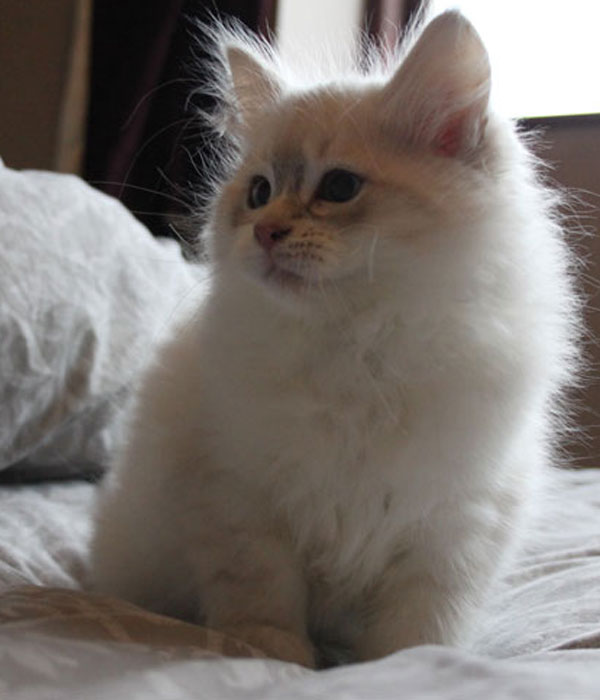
x: 346, y: 182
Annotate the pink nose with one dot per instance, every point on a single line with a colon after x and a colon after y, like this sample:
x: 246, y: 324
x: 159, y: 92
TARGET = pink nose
x: 269, y: 233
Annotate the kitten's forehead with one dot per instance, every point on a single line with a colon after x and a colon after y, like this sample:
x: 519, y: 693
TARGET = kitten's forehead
x: 289, y: 166
x: 306, y: 129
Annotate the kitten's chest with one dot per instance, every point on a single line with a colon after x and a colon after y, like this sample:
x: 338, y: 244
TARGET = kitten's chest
x: 319, y: 433
x: 322, y: 435
x: 331, y: 412
x: 297, y: 401
x: 337, y: 380
x: 344, y: 530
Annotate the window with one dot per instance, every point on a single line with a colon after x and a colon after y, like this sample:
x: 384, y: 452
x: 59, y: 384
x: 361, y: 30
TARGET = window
x: 545, y: 55
x: 315, y: 24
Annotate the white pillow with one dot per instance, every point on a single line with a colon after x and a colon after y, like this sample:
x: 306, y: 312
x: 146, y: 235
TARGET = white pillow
x: 85, y: 291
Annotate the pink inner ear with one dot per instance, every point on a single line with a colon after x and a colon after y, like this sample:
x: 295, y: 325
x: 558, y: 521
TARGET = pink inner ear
x: 449, y: 140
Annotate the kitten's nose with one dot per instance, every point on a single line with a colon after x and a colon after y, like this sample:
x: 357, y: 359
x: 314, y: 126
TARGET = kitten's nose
x: 269, y: 233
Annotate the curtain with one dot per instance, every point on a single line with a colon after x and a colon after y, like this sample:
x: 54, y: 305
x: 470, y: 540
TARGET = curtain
x: 143, y: 140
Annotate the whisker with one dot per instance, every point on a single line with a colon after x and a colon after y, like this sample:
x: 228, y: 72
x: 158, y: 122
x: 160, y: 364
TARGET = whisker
x: 371, y: 257
x: 149, y: 140
x: 149, y: 190
x: 149, y: 94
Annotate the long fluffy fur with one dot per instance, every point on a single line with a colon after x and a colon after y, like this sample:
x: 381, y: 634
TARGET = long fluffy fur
x: 344, y: 440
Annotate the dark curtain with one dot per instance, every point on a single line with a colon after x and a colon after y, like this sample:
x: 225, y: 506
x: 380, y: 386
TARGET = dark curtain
x: 144, y: 144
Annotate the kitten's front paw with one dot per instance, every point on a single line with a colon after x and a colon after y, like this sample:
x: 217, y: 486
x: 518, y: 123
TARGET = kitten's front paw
x: 275, y: 643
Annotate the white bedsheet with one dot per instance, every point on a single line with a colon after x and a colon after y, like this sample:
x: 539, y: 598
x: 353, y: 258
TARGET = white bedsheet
x: 540, y: 640
x: 62, y: 669
x: 44, y: 532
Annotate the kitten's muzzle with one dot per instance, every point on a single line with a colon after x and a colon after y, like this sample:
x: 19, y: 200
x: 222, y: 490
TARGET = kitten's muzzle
x: 267, y: 234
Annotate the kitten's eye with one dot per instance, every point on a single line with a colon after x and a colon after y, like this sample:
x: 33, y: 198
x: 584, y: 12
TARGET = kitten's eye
x: 339, y: 186
x: 259, y: 192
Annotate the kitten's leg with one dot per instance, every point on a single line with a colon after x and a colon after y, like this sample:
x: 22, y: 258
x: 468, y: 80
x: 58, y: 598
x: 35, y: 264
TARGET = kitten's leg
x: 430, y: 595
x: 407, y: 612
x: 255, y: 591
x: 135, y: 557
x: 181, y: 551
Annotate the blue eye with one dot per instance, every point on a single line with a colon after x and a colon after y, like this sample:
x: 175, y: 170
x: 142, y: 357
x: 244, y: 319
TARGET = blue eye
x: 259, y: 192
x: 339, y: 186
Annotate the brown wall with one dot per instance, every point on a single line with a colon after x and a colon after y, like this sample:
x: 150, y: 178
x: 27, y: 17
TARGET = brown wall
x: 574, y: 151
x: 43, y: 82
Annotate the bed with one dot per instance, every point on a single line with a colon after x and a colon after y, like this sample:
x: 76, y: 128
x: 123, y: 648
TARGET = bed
x: 85, y: 293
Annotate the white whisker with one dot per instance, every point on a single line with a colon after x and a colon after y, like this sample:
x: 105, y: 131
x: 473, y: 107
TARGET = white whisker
x: 371, y: 257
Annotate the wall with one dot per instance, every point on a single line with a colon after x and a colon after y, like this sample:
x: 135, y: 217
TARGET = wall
x: 574, y: 150
x: 44, y: 65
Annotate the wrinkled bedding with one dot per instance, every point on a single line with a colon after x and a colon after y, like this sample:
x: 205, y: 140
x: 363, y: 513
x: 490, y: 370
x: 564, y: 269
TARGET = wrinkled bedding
x: 540, y: 639
x: 85, y: 293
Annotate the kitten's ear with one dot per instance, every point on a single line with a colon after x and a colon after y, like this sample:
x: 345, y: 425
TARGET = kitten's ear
x: 255, y: 86
x: 439, y: 96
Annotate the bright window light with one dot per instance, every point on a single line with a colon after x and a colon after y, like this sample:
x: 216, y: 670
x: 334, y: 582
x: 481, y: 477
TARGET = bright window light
x: 545, y: 55
x: 317, y: 25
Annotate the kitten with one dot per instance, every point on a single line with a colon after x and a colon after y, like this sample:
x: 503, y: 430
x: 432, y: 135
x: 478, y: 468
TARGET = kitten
x: 342, y: 442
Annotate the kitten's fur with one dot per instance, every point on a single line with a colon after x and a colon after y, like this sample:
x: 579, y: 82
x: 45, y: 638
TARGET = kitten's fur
x: 342, y: 441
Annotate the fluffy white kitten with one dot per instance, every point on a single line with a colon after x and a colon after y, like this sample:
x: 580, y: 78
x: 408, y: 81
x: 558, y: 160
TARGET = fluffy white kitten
x: 341, y: 443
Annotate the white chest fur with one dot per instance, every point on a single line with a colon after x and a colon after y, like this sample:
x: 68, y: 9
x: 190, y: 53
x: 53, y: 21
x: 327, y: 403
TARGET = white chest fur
x: 318, y: 421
